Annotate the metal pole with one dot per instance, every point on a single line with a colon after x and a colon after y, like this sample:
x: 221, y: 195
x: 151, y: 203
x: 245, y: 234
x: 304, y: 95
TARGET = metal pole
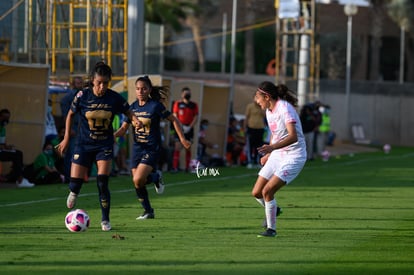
x: 277, y: 49
x: 233, y: 53
x: 223, y: 43
x: 348, y: 71
x: 402, y: 48
x: 136, y: 37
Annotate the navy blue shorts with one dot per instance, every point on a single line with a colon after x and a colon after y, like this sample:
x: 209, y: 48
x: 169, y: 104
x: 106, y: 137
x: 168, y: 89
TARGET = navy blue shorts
x: 88, y: 158
x: 145, y: 156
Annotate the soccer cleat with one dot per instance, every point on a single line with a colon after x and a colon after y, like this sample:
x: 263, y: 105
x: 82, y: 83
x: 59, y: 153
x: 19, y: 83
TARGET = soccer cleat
x: 268, y: 233
x: 146, y: 215
x: 24, y: 184
x: 278, y: 212
x: 159, y: 187
x: 106, y: 226
x: 71, y: 201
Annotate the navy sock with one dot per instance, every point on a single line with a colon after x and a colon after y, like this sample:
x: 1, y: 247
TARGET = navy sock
x: 153, y: 177
x: 75, y: 185
x: 104, y: 196
x: 143, y: 198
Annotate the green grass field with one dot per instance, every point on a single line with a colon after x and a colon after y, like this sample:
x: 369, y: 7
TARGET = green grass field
x: 350, y: 215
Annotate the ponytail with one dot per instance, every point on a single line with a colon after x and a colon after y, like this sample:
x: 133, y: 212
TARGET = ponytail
x: 157, y: 93
x: 278, y: 92
x: 286, y: 94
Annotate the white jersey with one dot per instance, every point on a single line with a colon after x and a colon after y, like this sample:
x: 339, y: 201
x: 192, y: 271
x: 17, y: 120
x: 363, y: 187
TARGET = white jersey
x: 284, y: 113
x: 287, y: 162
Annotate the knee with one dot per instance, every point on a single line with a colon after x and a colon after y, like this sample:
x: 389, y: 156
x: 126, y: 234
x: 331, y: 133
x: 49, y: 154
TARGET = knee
x: 256, y: 193
x: 267, y: 194
x: 139, y: 181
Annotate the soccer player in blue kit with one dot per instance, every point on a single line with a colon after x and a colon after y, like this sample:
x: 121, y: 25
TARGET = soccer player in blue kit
x: 147, y: 139
x: 96, y: 106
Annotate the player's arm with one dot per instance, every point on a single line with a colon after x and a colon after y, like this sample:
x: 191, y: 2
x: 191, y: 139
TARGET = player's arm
x: 122, y: 130
x: 289, y: 139
x: 179, y: 130
x: 63, y: 145
x: 135, y: 121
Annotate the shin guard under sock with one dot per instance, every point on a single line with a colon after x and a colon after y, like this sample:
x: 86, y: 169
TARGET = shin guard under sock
x: 75, y: 185
x: 143, y: 198
x: 104, y: 195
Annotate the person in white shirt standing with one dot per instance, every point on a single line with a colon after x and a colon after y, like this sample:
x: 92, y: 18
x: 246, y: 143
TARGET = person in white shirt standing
x: 285, y: 156
x: 50, y: 126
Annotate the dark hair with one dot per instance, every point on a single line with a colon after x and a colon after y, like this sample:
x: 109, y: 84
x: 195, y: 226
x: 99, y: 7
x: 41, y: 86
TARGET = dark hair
x: 4, y: 111
x: 101, y: 69
x: 76, y: 78
x: 279, y: 92
x: 185, y: 89
x: 47, y: 143
x: 306, y: 108
x: 157, y: 92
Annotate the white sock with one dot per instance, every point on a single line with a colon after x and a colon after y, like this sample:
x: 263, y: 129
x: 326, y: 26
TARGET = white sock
x: 261, y: 201
x: 270, y: 210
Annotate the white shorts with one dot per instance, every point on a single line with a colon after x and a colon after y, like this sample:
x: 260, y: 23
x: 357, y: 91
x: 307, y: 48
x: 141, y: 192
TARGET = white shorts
x: 285, y: 168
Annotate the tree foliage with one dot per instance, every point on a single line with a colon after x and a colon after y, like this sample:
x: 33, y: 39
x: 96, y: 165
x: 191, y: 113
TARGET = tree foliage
x: 402, y: 12
x: 170, y: 13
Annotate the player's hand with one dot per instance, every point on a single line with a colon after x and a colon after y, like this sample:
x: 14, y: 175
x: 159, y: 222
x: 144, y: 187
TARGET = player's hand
x: 265, y: 149
x: 137, y: 123
x: 186, y: 144
x: 264, y: 159
x: 62, y: 146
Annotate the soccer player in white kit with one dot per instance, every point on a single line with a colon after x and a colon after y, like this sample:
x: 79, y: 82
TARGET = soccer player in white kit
x: 285, y: 156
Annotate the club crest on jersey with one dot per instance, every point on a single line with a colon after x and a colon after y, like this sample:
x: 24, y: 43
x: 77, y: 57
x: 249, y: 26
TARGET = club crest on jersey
x: 79, y: 94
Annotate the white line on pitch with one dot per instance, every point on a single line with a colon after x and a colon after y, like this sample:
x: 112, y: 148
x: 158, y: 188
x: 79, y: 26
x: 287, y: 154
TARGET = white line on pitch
x: 129, y: 190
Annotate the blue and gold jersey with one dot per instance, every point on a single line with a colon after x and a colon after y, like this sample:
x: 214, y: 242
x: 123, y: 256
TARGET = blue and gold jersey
x: 150, y: 114
x: 95, y: 118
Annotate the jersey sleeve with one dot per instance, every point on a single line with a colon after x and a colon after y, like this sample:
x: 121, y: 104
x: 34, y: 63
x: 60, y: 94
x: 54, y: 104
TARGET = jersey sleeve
x: 123, y: 104
x: 290, y: 114
x: 162, y: 111
x: 127, y: 119
x: 76, y: 101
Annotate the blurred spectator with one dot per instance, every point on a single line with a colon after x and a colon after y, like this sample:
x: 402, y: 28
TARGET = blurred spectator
x: 255, y: 126
x: 308, y: 126
x: 50, y: 125
x: 235, y: 142
x: 9, y: 153
x: 187, y: 113
x: 318, y: 120
x: 120, y: 149
x: 59, y: 163
x: 204, y: 143
x: 45, y: 171
x: 166, y: 152
x: 77, y: 85
x: 324, y: 128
